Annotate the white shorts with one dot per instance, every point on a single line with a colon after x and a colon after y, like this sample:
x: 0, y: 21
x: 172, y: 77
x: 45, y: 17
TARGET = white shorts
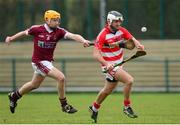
x: 110, y: 76
x: 42, y: 67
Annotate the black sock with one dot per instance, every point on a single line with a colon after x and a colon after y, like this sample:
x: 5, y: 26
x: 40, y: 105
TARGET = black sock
x: 16, y: 95
x: 63, y: 101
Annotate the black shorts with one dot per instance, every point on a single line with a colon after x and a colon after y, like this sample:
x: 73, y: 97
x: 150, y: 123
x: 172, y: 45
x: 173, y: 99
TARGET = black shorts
x: 111, y: 80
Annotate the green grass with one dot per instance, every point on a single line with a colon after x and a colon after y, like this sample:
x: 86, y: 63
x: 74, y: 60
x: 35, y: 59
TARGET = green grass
x: 44, y: 108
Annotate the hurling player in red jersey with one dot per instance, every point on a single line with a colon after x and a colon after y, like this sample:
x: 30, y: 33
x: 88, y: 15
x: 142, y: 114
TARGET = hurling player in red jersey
x: 109, y: 55
x: 45, y: 39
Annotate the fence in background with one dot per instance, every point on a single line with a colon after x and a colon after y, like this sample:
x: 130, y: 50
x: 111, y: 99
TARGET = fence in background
x: 83, y: 16
x: 83, y: 74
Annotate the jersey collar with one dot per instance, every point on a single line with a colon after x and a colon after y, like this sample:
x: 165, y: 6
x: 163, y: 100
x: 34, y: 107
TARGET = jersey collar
x: 47, y: 28
x: 109, y: 30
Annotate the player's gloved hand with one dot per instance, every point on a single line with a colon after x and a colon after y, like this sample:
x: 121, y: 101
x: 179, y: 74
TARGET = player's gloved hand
x: 86, y: 43
x: 8, y: 40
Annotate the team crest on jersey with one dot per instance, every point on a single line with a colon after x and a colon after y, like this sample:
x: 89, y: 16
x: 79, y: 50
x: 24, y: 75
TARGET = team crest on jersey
x: 117, y: 38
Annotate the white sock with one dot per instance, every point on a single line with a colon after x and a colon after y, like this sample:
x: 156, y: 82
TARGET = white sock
x: 94, y: 109
x: 126, y: 106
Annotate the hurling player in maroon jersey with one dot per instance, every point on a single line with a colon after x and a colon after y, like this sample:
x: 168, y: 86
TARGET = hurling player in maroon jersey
x: 45, y: 39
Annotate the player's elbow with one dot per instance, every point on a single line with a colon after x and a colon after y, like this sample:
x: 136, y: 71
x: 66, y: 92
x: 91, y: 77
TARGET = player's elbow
x: 75, y: 37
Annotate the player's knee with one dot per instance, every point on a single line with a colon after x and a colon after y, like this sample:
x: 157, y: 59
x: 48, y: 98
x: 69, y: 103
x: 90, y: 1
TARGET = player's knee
x: 61, y: 79
x: 130, y: 81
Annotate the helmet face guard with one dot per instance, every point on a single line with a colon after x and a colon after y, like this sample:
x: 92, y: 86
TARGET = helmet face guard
x: 114, y: 15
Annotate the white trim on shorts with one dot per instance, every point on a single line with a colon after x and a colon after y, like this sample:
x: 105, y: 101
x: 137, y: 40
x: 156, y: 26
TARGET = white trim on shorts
x: 42, y: 67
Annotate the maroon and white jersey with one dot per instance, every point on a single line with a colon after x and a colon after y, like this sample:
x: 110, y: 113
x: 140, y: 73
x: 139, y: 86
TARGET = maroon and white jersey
x: 111, y: 54
x: 45, y: 40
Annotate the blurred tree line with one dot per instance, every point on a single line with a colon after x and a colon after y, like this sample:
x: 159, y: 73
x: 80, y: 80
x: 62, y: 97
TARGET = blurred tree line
x: 161, y: 17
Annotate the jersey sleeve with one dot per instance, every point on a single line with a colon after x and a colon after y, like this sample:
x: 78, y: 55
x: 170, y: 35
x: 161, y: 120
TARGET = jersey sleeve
x: 99, y: 42
x: 126, y: 34
x: 62, y: 33
x: 33, y: 30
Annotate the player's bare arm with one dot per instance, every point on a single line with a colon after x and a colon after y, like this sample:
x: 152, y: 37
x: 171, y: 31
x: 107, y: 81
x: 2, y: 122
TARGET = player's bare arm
x: 138, y: 45
x: 78, y: 38
x: 97, y: 55
x: 16, y: 36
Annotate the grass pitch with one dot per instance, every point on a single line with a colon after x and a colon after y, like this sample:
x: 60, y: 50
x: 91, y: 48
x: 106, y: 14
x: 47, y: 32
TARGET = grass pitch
x: 44, y: 108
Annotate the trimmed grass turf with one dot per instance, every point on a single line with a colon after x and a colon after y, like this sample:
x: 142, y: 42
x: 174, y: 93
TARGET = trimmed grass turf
x: 44, y: 108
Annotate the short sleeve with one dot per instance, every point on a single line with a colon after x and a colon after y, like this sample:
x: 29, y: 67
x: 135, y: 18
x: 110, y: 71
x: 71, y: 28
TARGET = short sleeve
x: 126, y: 34
x: 32, y: 30
x: 62, y: 33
